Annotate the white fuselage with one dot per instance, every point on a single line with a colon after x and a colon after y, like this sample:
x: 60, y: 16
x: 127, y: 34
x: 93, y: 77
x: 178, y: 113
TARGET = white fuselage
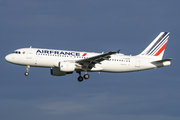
x: 64, y: 62
x: 49, y: 58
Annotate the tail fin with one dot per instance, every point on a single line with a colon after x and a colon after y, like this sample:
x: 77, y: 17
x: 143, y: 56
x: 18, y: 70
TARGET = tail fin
x: 157, y: 47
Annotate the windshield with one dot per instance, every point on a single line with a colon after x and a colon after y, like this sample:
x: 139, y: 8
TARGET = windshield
x: 17, y: 52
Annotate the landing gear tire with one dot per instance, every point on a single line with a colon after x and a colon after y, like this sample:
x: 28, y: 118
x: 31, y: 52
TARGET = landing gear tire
x: 86, y: 76
x: 26, y: 73
x: 80, y: 78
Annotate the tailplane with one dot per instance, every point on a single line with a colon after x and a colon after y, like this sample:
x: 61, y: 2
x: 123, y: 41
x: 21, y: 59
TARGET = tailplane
x: 157, y: 47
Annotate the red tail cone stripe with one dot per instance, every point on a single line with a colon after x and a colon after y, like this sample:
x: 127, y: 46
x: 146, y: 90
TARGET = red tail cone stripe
x: 160, y: 51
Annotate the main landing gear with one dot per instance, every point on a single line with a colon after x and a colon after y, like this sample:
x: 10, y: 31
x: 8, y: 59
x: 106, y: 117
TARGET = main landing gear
x: 80, y: 78
x: 27, y: 70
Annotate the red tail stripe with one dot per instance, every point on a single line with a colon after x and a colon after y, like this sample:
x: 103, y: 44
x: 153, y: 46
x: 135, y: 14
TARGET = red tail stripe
x: 160, y: 51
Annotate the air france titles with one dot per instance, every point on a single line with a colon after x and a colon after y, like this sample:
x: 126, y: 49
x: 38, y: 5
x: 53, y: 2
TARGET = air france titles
x: 57, y: 52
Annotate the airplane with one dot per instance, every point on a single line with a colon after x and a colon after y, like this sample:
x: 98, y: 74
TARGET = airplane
x: 62, y: 62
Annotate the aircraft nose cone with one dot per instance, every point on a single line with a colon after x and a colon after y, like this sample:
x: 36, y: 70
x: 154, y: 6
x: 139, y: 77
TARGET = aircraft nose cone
x: 7, y: 58
x: 11, y: 59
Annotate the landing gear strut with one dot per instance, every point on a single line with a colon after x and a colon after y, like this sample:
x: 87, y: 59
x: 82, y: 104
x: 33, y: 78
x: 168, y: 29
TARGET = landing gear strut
x: 80, y: 78
x: 27, y: 70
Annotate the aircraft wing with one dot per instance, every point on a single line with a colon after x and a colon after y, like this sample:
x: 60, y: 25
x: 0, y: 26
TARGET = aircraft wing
x: 90, y: 62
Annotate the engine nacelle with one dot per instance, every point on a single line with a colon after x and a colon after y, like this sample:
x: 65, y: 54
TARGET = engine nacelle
x: 66, y: 66
x: 57, y: 72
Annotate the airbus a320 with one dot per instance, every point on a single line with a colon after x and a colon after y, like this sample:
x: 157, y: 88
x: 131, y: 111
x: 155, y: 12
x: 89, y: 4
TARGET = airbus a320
x: 63, y: 62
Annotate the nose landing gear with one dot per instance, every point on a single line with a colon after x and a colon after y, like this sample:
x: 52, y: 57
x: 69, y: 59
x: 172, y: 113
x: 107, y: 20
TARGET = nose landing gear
x: 27, y: 70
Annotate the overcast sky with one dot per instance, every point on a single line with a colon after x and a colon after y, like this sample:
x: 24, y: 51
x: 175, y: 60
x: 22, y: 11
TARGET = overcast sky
x: 93, y: 26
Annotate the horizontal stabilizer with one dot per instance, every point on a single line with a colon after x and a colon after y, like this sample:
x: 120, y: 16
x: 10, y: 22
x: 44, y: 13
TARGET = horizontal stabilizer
x: 161, y: 61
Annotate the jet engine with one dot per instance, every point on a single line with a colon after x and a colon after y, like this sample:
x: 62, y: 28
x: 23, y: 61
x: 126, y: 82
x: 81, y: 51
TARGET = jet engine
x: 62, y: 68
x: 66, y: 66
x: 57, y: 72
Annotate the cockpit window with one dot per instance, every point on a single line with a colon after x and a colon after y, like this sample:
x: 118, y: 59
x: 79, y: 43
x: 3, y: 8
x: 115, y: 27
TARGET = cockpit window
x: 17, y: 52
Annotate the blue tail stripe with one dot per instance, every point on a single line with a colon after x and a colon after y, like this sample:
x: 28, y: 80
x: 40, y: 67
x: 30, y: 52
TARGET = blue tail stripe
x: 157, y: 48
x: 160, y: 44
x: 148, y: 52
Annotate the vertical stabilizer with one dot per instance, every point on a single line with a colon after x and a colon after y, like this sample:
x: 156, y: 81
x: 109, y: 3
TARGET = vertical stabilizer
x: 157, y: 47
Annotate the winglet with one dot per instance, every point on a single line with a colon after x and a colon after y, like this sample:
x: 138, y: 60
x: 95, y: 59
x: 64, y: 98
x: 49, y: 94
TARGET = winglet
x: 118, y: 51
